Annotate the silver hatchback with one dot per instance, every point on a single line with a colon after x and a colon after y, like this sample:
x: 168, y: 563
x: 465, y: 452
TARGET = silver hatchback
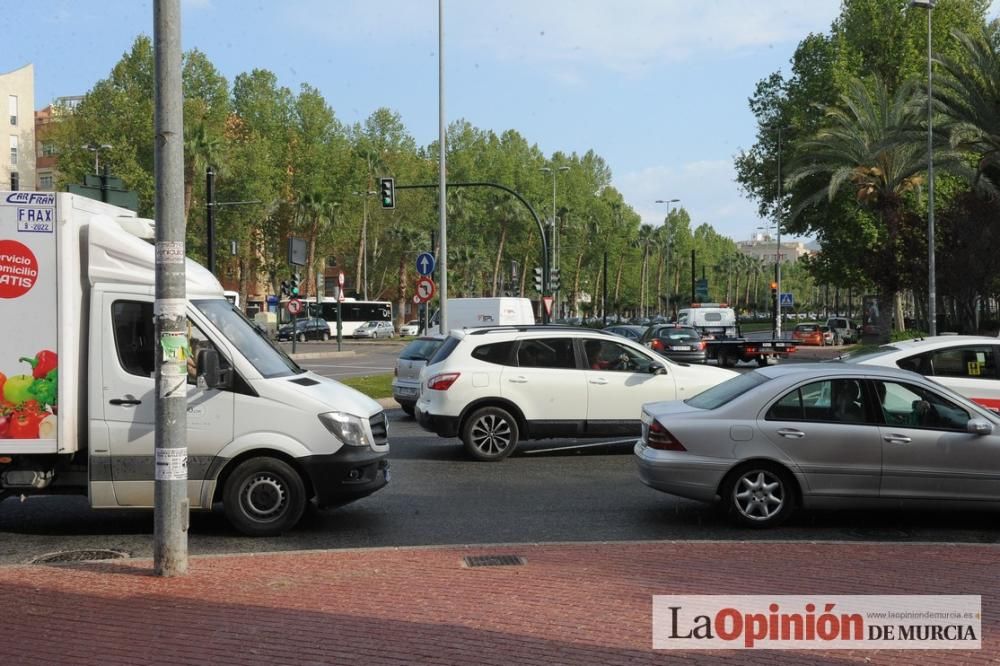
x: 406, y: 382
x: 821, y: 435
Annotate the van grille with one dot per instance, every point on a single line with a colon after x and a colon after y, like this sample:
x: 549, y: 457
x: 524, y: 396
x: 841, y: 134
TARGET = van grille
x: 380, y: 428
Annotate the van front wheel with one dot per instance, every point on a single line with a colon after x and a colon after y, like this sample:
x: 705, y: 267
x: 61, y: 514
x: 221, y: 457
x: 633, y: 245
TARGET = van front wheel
x: 264, y: 497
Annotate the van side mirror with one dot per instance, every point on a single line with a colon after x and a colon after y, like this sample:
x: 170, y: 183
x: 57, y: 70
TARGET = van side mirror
x: 208, y: 368
x: 979, y: 427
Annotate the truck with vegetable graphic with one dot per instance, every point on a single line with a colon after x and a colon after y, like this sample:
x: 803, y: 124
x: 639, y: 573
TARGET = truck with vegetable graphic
x: 78, y: 355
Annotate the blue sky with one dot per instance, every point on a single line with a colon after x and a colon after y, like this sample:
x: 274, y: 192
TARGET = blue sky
x: 658, y: 88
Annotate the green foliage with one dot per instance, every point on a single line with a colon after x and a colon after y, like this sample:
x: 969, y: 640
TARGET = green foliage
x: 906, y: 334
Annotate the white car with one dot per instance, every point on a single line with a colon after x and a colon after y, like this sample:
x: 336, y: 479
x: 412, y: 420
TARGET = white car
x: 496, y: 386
x: 375, y: 329
x: 410, y: 328
x: 967, y: 364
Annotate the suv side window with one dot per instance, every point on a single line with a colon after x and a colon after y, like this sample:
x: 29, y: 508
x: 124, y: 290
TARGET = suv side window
x: 500, y: 353
x: 546, y: 353
x: 610, y: 355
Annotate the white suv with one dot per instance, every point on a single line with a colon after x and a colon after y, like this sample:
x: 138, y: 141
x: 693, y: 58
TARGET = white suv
x: 496, y: 386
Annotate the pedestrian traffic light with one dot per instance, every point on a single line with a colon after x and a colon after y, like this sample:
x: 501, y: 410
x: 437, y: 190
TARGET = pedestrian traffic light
x: 285, y: 289
x: 294, y: 286
x: 387, y: 188
x: 554, y: 279
x: 538, y: 279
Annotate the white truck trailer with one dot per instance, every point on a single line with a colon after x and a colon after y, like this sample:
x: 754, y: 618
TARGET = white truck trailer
x: 264, y: 436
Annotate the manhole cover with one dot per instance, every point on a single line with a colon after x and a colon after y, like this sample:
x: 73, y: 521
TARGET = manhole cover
x: 68, y: 556
x: 493, y: 560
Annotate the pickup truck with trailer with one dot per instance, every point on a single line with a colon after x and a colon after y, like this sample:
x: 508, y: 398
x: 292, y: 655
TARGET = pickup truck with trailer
x: 724, y: 342
x: 77, y: 415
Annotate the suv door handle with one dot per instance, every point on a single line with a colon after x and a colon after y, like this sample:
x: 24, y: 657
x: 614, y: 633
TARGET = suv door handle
x: 601, y: 381
x: 791, y: 433
x: 125, y: 401
x: 897, y: 439
x: 520, y: 379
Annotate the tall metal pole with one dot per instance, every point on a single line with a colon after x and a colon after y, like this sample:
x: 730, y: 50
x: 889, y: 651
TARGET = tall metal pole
x: 777, y: 260
x: 364, y: 249
x: 931, y: 277
x: 442, y: 180
x: 210, y: 218
x: 170, y: 502
x: 604, y: 294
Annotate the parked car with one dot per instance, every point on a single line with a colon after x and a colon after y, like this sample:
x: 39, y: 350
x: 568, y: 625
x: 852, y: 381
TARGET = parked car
x: 844, y: 330
x: 678, y: 343
x: 967, y: 364
x: 828, y: 335
x: 375, y: 329
x: 306, y: 329
x: 808, y: 334
x: 411, y: 327
x: 406, y: 379
x: 630, y: 331
x: 496, y: 386
x: 821, y: 435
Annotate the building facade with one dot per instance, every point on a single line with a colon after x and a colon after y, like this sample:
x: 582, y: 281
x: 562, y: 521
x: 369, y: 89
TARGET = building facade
x: 17, y: 162
x: 765, y: 247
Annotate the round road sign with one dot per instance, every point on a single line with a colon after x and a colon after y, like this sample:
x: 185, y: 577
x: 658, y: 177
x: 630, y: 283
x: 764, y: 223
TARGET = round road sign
x: 425, y: 289
x: 294, y: 306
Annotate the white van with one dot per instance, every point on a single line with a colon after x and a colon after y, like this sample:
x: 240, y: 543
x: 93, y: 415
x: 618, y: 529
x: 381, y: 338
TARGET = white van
x: 476, y: 312
x: 77, y: 345
x: 711, y: 319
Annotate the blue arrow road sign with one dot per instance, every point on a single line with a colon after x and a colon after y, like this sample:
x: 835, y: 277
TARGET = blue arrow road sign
x: 786, y: 299
x: 425, y: 263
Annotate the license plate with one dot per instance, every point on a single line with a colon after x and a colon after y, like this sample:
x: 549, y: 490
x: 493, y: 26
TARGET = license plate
x: 681, y: 348
x: 766, y: 344
x: 407, y: 391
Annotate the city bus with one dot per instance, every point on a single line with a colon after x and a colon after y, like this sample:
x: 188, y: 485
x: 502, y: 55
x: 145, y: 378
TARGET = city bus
x: 353, y: 312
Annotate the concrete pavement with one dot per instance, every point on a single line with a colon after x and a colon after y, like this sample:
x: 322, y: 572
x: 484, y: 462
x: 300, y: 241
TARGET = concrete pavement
x: 566, y: 604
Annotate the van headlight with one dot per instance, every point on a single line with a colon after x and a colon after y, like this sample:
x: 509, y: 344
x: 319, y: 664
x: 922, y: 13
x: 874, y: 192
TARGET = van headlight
x: 348, y: 428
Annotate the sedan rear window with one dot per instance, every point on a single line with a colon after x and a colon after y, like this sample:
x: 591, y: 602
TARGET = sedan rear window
x: 420, y: 349
x: 721, y: 394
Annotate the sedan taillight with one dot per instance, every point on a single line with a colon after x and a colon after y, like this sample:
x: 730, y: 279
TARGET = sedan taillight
x: 442, y: 382
x: 661, y: 439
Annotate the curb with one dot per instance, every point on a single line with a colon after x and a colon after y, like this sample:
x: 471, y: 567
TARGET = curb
x: 301, y: 356
x: 387, y: 403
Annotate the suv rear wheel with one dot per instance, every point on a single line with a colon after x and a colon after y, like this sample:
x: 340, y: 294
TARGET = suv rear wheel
x: 490, y: 434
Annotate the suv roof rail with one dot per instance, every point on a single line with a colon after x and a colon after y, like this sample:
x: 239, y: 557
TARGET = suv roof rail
x: 482, y: 330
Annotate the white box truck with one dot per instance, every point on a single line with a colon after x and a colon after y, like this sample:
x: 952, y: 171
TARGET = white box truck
x: 501, y: 311
x: 264, y: 436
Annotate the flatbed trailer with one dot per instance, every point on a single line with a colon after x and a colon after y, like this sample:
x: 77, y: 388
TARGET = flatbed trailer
x: 732, y: 350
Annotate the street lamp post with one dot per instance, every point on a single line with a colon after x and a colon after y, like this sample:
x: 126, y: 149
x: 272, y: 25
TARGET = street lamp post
x: 931, y: 277
x: 669, y: 242
x: 554, y: 263
x: 96, y: 149
x: 364, y: 242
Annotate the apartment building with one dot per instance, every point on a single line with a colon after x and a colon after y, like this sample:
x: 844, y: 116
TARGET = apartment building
x: 17, y: 163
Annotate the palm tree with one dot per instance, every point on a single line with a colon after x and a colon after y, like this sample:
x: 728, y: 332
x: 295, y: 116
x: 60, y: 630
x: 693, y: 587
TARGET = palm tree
x: 967, y: 94
x: 201, y: 149
x: 871, y: 145
x: 645, y: 240
x: 315, y: 214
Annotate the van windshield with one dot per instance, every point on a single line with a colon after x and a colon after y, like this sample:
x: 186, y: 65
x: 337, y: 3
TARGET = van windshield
x: 269, y: 360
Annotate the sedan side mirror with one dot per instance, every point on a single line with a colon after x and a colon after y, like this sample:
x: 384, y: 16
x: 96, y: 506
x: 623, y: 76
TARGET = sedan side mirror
x: 657, y: 368
x: 979, y: 427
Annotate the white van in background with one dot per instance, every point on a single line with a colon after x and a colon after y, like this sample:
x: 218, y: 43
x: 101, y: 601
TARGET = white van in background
x: 475, y: 312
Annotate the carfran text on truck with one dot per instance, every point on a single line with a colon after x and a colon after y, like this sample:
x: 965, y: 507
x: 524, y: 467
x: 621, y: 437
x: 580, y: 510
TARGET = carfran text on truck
x: 77, y: 347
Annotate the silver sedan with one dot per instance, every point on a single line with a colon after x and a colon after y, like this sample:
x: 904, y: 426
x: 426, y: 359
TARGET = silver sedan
x: 822, y: 435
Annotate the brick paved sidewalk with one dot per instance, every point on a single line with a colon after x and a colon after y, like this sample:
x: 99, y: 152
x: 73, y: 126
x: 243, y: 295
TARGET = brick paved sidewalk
x: 569, y: 604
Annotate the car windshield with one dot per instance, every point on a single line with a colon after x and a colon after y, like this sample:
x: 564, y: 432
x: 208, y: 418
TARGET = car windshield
x: 720, y: 394
x: 863, y: 355
x: 269, y: 360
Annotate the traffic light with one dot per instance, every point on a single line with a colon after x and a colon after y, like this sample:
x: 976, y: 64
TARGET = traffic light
x: 387, y: 189
x: 774, y: 290
x: 538, y: 279
x: 553, y: 279
x: 294, y: 286
x: 285, y: 289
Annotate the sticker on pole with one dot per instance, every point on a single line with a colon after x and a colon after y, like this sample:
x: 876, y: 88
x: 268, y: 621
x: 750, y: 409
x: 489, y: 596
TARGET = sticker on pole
x: 171, y: 464
x: 294, y: 306
x: 425, y: 289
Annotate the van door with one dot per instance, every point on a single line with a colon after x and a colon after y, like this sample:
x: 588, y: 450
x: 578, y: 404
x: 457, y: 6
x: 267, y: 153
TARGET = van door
x: 128, y: 348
